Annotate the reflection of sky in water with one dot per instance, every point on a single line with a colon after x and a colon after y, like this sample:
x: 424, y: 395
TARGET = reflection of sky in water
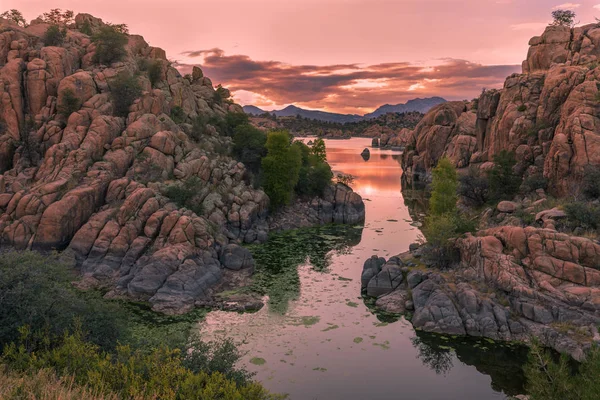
x: 346, y: 352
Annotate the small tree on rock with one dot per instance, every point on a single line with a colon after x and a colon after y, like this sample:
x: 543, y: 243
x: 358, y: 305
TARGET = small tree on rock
x: 110, y: 45
x: 14, y: 16
x: 55, y: 36
x: 563, y: 17
x: 58, y: 17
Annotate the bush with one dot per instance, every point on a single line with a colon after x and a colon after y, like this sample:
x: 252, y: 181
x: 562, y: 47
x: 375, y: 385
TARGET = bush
x: 185, y: 194
x: 155, y: 72
x: 86, y: 28
x: 160, y: 373
x: 522, y: 108
x: 344, y: 179
x: 54, y: 36
x: 36, y: 292
x: 438, y: 231
x: 563, y: 17
x: 533, y: 183
x: 549, y: 378
x: 69, y: 103
x: 124, y: 90
x: 178, y: 115
x: 110, y: 45
x: 249, y: 146
x: 504, y: 183
x: 591, y: 182
x: 232, y: 121
x: 281, y: 168
x: 444, y: 187
x: 474, y: 187
x: 584, y: 215
x: 315, y: 174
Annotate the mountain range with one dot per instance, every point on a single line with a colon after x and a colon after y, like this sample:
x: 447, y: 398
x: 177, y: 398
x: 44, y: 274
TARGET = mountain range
x: 420, y: 105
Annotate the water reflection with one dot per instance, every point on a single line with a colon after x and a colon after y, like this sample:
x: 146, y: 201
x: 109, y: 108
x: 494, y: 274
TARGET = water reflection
x: 278, y: 260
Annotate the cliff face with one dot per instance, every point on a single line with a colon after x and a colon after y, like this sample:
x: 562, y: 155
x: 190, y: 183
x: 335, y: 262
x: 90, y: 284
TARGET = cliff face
x: 548, y: 116
x: 93, y: 184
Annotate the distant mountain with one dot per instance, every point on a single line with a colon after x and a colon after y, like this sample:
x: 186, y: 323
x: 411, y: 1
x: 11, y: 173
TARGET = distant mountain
x: 420, y: 105
x: 252, y: 110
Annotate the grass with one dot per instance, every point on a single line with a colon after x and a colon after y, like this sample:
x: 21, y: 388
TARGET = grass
x: 44, y: 384
x: 578, y: 333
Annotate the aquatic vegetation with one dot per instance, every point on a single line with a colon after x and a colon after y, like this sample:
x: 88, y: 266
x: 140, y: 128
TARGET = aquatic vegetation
x: 278, y: 259
x: 330, y: 328
x: 358, y: 340
x: 258, y: 361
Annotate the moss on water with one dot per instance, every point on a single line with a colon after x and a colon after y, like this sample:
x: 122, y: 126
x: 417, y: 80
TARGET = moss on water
x: 358, y: 340
x: 258, y: 361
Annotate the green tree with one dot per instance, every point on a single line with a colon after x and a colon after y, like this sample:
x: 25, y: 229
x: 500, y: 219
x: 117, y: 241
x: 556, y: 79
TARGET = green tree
x: 504, y: 183
x: 281, y: 168
x: 552, y: 379
x: 444, y: 188
x: 563, y: 17
x: 319, y: 150
x: 54, y: 36
x: 124, y: 90
x: 58, y: 17
x: 249, y: 146
x: 110, y: 45
x: 315, y: 174
x: 15, y: 16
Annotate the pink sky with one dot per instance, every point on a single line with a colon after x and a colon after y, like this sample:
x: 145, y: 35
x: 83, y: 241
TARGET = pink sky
x: 380, y: 47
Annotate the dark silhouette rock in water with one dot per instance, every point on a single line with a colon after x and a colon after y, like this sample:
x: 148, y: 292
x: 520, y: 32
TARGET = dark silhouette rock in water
x: 366, y: 154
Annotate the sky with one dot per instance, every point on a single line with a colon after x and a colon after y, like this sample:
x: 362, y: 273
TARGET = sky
x: 347, y: 56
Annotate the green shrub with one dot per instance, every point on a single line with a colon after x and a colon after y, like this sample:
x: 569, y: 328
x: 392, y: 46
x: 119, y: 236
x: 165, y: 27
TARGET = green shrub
x: 344, y: 179
x: 36, y: 292
x: 315, y: 174
x: 160, y: 373
x: 86, y: 28
x: 110, y: 45
x: 438, y: 230
x: 232, y: 121
x: 474, y: 187
x: 185, y: 194
x: 591, y: 182
x: 54, y: 36
x: 522, y: 108
x: 155, y: 72
x: 178, y: 115
x: 69, y: 103
x: 281, y: 168
x: 444, y: 187
x: 584, y: 215
x: 549, y: 378
x: 249, y: 146
x: 504, y: 183
x: 124, y: 90
x: 533, y: 183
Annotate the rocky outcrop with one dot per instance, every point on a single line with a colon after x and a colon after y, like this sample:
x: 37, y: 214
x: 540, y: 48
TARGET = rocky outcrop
x: 546, y: 115
x: 103, y: 189
x: 339, y: 204
x: 512, y: 283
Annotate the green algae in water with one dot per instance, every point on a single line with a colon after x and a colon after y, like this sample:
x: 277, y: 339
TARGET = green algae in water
x: 341, y: 278
x: 320, y: 369
x: 258, y: 361
x: 358, y: 340
x: 306, y: 321
x: 385, y: 345
x: 278, y: 259
x: 352, y: 304
x: 330, y: 328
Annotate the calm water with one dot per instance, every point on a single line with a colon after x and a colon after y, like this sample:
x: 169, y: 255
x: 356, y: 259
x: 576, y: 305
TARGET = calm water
x: 317, y: 339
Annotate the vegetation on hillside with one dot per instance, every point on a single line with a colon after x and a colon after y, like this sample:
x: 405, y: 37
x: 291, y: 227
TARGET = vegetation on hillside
x: 300, y: 125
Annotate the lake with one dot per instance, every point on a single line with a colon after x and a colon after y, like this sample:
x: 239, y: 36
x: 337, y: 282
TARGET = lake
x: 317, y: 338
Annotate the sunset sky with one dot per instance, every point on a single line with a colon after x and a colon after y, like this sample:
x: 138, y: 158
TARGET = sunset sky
x: 346, y: 56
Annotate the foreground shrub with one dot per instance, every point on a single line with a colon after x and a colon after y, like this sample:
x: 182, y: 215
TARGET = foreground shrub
x: 533, y: 183
x: 124, y: 90
x: 161, y: 373
x: 444, y: 187
x: 281, y: 168
x: 110, y: 45
x: 36, y: 292
x: 552, y: 379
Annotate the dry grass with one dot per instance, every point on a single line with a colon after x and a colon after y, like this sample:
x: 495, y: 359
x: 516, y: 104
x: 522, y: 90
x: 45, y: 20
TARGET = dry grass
x: 578, y: 333
x: 43, y: 385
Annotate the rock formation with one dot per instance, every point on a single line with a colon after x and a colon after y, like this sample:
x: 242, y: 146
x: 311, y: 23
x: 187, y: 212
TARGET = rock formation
x: 95, y: 185
x: 547, y: 115
x: 512, y: 283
